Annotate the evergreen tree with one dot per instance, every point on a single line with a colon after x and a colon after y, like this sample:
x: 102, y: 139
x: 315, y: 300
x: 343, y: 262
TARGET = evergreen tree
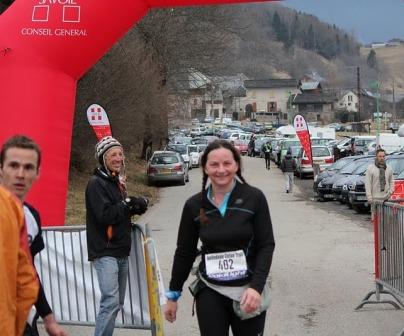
x: 371, y: 60
x: 310, y: 39
x: 279, y: 27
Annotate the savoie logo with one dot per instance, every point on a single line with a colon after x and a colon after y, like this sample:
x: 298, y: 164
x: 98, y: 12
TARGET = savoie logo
x: 49, y: 10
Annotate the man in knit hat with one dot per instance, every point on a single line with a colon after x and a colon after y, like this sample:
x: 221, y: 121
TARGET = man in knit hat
x: 108, y: 220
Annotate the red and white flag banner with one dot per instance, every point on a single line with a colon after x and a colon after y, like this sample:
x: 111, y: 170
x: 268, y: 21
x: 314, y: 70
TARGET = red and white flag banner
x: 98, y: 119
x: 302, y: 131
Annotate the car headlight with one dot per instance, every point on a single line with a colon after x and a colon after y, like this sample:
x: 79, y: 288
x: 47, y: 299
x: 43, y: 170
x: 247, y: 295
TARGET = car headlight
x: 334, y: 186
x: 344, y: 187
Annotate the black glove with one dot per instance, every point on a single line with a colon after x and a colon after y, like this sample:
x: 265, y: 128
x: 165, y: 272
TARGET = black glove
x: 137, y: 205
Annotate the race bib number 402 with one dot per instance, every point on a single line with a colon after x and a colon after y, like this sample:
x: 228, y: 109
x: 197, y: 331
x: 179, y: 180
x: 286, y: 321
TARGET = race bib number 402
x: 226, y: 266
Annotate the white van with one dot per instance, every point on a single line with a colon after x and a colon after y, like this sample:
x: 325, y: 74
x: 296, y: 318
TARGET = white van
x: 389, y: 142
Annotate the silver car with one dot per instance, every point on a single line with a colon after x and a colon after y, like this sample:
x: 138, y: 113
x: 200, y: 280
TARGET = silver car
x: 167, y: 166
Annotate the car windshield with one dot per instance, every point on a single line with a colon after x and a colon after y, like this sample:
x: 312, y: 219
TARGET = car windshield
x: 361, y: 168
x: 182, y: 140
x: 320, y: 151
x: 164, y: 159
x: 192, y: 149
x: 397, y: 164
x: 320, y: 141
x: 349, y: 168
x: 337, y: 165
x: 182, y: 149
x: 288, y: 144
x: 400, y: 176
x: 202, y: 148
x: 295, y: 150
x: 363, y: 142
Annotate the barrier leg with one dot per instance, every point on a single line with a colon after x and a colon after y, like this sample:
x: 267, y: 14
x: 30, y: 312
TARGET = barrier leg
x: 156, y: 319
x: 379, y: 290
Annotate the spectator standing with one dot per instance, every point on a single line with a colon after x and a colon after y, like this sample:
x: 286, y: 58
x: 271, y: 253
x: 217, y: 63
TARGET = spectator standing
x: 108, y: 221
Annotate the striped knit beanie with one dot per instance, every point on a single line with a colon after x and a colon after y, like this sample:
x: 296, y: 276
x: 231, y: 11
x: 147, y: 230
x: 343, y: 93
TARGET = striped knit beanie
x: 103, y: 146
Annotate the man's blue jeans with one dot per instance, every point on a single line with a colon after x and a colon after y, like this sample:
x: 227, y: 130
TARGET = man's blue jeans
x: 112, y: 276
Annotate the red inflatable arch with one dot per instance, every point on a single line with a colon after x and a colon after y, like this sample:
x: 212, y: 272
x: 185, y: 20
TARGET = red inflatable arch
x: 45, y: 47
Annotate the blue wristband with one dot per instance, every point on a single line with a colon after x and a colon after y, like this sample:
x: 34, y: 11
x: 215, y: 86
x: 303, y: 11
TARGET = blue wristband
x: 173, y: 295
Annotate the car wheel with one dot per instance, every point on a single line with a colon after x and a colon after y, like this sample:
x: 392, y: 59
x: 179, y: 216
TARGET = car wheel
x: 349, y: 203
x: 187, y: 180
x: 184, y: 179
x: 149, y: 183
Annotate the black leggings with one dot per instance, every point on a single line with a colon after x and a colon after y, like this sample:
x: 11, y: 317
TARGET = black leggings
x: 215, y: 316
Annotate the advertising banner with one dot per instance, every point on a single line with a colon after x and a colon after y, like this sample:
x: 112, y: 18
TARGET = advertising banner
x: 302, y: 131
x: 98, y: 119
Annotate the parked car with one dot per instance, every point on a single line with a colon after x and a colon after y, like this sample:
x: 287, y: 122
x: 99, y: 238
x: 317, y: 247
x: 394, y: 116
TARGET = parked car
x: 331, y: 170
x: 321, y: 156
x: 324, y: 188
x: 361, y: 143
x: 209, y: 120
x: 276, y: 150
x: 285, y: 145
x: 195, y: 154
x: 200, y: 141
x: 181, y: 140
x: 241, y: 146
x: 167, y: 166
x: 345, y: 180
x: 259, y: 142
x: 197, y: 131
x: 182, y: 149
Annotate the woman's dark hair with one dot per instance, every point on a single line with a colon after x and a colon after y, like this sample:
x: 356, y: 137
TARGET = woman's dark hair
x: 204, y: 159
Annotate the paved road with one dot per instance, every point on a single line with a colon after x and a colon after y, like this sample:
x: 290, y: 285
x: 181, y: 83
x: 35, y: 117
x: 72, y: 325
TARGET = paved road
x: 322, y: 265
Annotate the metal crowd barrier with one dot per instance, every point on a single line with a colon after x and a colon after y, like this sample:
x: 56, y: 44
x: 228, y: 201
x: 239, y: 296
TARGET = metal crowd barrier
x: 388, y: 223
x: 71, y: 285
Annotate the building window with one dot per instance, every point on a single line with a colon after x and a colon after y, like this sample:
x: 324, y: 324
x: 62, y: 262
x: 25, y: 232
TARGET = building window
x: 350, y: 99
x: 271, y: 106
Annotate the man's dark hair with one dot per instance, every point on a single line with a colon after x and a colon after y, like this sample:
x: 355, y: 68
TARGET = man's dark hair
x: 380, y: 150
x: 19, y: 141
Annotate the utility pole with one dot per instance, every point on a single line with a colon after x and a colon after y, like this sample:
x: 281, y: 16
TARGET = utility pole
x: 358, y: 77
x: 394, y: 103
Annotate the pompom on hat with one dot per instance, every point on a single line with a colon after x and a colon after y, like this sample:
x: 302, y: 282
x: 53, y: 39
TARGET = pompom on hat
x: 103, y: 146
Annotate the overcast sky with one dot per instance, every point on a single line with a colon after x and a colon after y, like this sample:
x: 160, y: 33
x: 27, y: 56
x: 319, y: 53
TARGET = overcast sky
x: 368, y: 20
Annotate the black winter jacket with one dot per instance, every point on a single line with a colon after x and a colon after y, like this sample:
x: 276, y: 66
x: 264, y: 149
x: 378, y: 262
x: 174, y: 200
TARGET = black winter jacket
x: 288, y: 164
x: 246, y: 225
x: 106, y: 211
x: 36, y: 246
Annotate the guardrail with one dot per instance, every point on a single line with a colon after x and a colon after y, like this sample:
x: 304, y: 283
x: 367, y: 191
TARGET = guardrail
x: 71, y: 285
x: 388, y: 224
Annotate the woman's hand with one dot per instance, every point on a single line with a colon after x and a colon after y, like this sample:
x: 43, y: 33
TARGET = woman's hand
x: 250, y: 300
x: 170, y: 311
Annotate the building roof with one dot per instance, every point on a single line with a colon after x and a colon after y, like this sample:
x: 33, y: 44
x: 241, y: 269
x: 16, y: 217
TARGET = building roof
x: 307, y: 86
x: 314, y: 98
x: 189, y: 79
x: 270, y: 83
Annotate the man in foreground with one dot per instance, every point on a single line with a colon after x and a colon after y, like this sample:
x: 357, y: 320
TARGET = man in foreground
x: 20, y: 159
x: 19, y: 285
